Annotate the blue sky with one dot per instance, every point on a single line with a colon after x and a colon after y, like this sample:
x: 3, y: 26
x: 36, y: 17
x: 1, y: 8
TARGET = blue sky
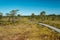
x: 26, y: 7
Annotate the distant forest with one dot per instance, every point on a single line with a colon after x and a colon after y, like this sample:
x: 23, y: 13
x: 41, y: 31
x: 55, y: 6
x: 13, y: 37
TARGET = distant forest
x: 42, y: 16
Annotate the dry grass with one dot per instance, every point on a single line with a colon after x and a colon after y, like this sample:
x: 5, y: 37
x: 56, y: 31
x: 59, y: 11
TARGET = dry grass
x: 25, y: 30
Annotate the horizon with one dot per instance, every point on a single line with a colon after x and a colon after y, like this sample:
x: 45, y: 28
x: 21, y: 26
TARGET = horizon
x: 27, y: 7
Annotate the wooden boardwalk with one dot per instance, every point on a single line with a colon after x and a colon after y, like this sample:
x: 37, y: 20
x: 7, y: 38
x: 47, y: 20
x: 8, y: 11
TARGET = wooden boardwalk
x: 51, y: 27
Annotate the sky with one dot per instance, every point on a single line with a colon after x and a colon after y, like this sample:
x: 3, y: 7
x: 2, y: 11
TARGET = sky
x: 27, y: 7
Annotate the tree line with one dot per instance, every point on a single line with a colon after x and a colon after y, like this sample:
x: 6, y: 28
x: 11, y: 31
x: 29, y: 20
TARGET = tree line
x: 42, y: 16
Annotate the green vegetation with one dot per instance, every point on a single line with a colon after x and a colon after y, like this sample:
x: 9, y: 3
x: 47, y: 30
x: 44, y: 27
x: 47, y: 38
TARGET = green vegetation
x: 17, y: 27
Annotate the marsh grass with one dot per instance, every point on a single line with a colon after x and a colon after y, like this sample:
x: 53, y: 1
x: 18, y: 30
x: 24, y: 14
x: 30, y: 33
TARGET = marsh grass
x: 24, y: 29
